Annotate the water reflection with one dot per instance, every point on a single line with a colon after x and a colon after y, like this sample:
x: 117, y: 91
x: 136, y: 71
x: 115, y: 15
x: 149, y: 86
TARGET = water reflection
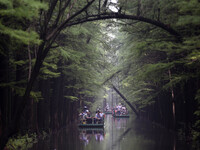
x: 87, y: 134
x: 99, y: 135
x: 118, y: 134
x: 65, y: 139
x: 120, y: 123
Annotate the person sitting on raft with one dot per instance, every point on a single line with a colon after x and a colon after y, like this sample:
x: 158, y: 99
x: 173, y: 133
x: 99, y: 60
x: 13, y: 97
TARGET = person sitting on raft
x: 98, y: 118
x: 124, y: 110
x: 85, y: 116
x: 102, y: 114
x: 88, y: 117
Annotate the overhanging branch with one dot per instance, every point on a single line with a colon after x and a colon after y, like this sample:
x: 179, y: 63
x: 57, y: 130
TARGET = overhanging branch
x: 124, y: 16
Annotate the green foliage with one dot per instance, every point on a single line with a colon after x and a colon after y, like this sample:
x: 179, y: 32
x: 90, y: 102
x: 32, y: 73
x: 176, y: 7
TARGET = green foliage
x: 21, y: 90
x: 152, y: 71
x: 11, y: 84
x: 189, y: 12
x: 18, y: 13
x: 22, y: 142
x: 50, y: 67
x: 196, y: 133
x: 72, y: 98
x: 82, y: 60
x: 24, y: 36
x: 46, y: 73
x: 21, y: 9
x: 19, y: 63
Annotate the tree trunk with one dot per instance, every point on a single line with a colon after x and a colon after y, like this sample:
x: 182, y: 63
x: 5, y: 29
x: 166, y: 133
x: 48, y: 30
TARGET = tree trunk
x: 173, y: 102
x: 30, y: 65
x: 122, y: 96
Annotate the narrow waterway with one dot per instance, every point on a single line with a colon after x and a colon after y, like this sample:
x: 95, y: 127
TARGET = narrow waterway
x: 118, y: 134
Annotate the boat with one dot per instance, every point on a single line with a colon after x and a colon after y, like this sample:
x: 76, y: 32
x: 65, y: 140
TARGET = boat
x: 107, y: 109
x: 120, y: 112
x: 125, y: 115
x: 92, y: 124
x: 121, y: 116
x: 108, y: 112
x: 91, y: 128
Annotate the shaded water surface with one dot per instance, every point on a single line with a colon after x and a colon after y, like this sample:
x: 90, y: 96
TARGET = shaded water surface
x: 118, y: 134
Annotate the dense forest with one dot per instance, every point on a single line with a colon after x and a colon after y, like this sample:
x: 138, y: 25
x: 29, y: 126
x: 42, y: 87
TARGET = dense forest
x: 58, y: 55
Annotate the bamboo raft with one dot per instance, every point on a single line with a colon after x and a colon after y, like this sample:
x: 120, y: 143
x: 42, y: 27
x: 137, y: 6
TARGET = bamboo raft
x: 92, y: 124
x: 121, y: 116
x: 108, y: 112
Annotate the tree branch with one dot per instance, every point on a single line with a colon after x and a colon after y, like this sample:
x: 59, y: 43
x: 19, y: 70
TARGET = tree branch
x: 124, y: 16
x: 122, y: 96
x: 50, y: 11
x: 64, y: 24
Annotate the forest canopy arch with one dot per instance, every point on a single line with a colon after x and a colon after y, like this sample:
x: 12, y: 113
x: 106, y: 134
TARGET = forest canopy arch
x: 101, y: 13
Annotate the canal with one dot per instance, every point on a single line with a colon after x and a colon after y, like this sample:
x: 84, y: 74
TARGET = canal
x: 118, y: 134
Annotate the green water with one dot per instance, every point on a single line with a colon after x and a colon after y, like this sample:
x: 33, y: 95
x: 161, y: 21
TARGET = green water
x: 118, y: 134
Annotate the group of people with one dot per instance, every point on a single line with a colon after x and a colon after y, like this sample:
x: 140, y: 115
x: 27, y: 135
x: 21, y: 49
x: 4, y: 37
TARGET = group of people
x: 107, y: 108
x: 85, y: 117
x: 120, y: 110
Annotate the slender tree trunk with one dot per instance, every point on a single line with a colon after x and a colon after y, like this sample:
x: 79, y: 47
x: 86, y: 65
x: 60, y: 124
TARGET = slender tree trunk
x: 173, y: 102
x: 112, y: 96
x: 30, y: 65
